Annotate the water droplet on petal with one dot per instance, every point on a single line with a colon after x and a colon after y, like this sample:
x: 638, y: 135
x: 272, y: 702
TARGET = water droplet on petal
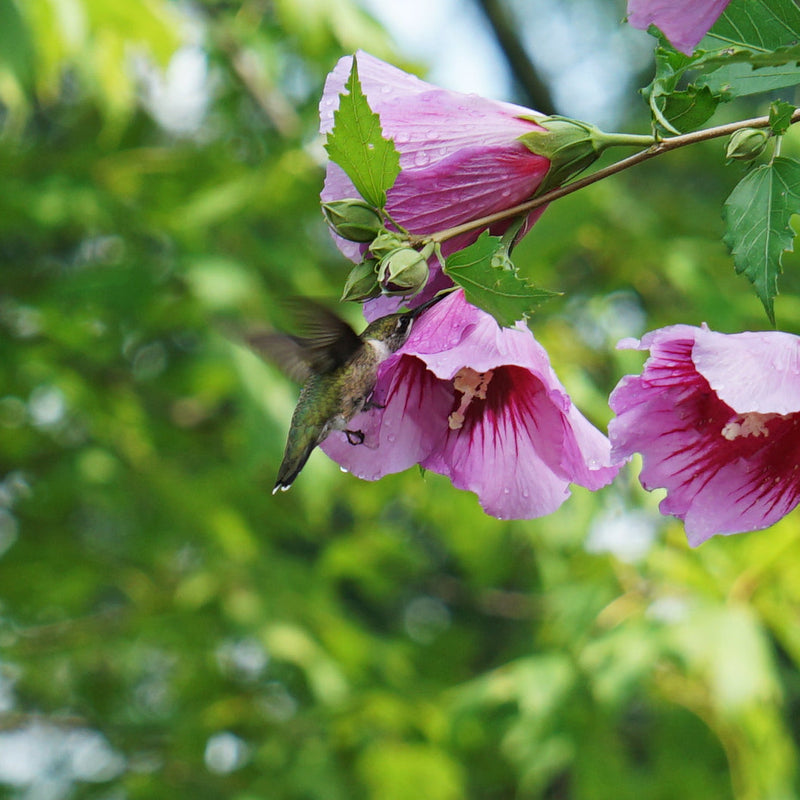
x: 344, y: 469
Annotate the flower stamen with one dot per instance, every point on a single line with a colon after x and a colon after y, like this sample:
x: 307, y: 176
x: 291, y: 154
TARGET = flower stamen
x: 472, y: 385
x: 750, y: 424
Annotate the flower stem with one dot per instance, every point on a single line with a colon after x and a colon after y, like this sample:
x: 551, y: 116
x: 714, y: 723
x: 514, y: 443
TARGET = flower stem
x: 655, y: 149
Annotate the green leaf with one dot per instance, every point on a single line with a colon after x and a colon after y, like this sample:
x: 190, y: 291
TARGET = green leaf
x: 757, y: 215
x: 740, y: 79
x: 752, y: 48
x: 755, y: 24
x: 357, y: 145
x: 780, y: 116
x: 491, y: 282
x: 670, y: 66
x: 686, y: 111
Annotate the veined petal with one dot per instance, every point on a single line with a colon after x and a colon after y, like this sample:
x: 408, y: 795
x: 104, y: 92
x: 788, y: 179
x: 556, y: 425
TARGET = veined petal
x: 508, y: 450
x: 424, y: 116
x: 481, y: 405
x: 403, y: 431
x: 468, y: 184
x: 751, y: 371
x: 725, y: 470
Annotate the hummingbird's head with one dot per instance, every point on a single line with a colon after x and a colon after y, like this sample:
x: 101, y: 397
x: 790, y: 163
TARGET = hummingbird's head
x: 392, y: 330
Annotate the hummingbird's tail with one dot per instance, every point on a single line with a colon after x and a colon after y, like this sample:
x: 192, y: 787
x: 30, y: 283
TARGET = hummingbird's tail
x: 290, y: 468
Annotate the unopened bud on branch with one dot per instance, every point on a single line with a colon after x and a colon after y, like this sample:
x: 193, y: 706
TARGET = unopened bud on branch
x: 353, y: 220
x: 404, y: 270
x: 362, y: 282
x: 387, y: 242
x: 747, y: 143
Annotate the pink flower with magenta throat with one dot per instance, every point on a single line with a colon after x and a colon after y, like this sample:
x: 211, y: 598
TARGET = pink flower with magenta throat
x: 480, y: 404
x: 460, y: 156
x: 716, y: 418
x: 683, y: 22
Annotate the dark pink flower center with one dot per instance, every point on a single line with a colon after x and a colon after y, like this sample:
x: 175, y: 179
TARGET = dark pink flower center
x: 507, y: 392
x: 766, y: 445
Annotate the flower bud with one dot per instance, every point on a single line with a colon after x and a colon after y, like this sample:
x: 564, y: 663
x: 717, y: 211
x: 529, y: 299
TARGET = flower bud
x: 403, y: 271
x: 747, y: 143
x: 353, y: 220
x: 362, y: 282
x: 386, y: 242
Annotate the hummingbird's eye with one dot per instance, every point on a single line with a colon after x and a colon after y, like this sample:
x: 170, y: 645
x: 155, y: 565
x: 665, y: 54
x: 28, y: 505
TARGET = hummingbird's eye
x: 404, y: 323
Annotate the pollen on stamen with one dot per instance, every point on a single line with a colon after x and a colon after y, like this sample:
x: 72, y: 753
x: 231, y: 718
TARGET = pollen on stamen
x: 752, y: 424
x: 472, y: 385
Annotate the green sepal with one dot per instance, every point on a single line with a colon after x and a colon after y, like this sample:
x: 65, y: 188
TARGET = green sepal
x: 386, y: 242
x: 571, y: 146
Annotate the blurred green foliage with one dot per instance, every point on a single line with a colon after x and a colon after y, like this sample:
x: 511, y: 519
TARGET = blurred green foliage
x: 170, y: 629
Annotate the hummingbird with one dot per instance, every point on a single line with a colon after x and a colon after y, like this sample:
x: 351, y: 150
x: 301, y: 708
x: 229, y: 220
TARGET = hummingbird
x: 338, y: 369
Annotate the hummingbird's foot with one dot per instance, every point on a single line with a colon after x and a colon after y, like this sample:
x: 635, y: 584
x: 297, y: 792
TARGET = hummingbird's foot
x: 355, y: 437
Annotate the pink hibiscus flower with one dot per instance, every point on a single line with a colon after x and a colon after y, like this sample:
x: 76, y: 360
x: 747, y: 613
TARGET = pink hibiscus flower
x: 481, y: 405
x: 716, y: 418
x: 459, y: 156
x: 683, y: 22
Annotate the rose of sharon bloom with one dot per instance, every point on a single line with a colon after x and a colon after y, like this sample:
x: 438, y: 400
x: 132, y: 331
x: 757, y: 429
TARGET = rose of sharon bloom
x: 481, y: 405
x: 683, y: 22
x: 716, y: 418
x: 459, y: 157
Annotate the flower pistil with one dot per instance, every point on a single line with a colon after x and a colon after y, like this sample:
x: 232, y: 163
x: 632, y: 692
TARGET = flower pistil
x: 472, y: 385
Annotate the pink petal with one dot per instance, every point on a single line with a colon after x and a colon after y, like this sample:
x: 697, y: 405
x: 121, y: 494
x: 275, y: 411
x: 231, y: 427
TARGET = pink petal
x: 403, y: 432
x: 431, y: 117
x: 751, y: 371
x: 721, y: 476
x: 683, y: 22
x: 469, y: 184
x: 508, y: 455
x: 529, y: 442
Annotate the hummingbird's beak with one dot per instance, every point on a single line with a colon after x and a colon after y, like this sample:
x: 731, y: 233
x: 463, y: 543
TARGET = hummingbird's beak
x: 417, y: 310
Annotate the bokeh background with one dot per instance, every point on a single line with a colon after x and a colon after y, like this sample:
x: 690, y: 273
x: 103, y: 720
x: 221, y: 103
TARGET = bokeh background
x: 168, y: 629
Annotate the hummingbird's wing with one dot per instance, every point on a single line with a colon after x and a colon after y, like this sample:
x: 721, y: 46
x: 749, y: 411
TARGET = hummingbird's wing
x: 326, y: 339
x: 283, y: 351
x: 326, y: 343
